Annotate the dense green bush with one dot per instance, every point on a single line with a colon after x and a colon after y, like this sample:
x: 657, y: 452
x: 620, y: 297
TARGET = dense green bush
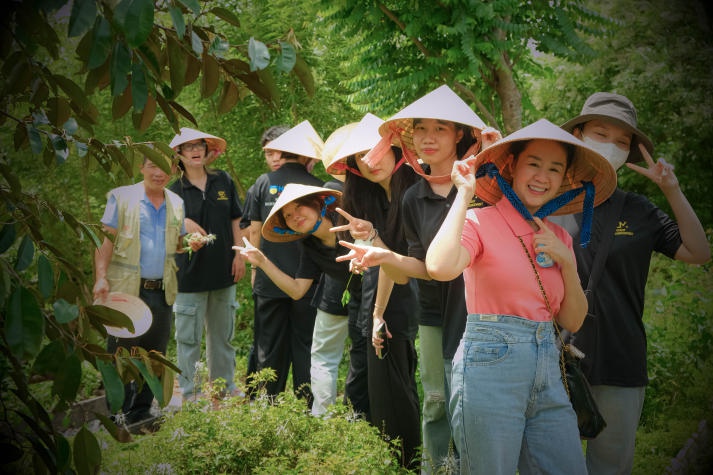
x: 257, y: 437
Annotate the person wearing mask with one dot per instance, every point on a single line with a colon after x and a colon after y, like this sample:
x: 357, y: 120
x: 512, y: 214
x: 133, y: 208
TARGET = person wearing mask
x: 146, y: 221
x: 283, y: 326
x: 613, y: 336
x: 510, y: 410
x: 207, y: 281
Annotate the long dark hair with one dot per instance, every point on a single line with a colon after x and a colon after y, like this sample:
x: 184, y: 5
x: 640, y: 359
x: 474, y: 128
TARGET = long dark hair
x: 359, y: 200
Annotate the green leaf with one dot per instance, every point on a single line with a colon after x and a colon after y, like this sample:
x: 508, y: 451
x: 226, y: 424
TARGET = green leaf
x: 135, y: 18
x: 287, y: 59
x: 346, y: 297
x: 151, y: 379
x: 158, y: 158
x: 7, y: 237
x: 24, y: 324
x: 65, y: 312
x: 61, y: 150
x: 45, y: 276
x: 49, y: 359
x: 103, y: 315
x: 229, y: 96
x: 196, y: 43
x: 258, y: 53
x: 87, y: 454
x: 210, y: 77
x: 113, y: 385
x: 192, y: 5
x: 64, y: 454
x: 101, y: 43
x: 36, y: 144
x: 120, y: 67
x: 305, y: 75
x: 178, y: 21
x: 227, y: 15
x: 25, y: 253
x: 177, y: 63
x: 68, y: 377
x: 139, y: 88
x: 84, y: 12
x: 71, y: 126
x: 218, y: 47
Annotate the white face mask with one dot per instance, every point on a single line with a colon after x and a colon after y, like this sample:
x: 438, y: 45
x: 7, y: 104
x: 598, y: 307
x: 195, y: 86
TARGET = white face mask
x: 614, y: 155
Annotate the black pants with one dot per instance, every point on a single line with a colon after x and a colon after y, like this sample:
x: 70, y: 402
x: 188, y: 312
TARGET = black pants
x: 156, y: 338
x: 284, y: 338
x: 393, y: 396
x: 356, y: 388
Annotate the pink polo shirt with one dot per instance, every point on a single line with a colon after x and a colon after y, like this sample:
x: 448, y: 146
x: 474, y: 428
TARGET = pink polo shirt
x: 499, y: 278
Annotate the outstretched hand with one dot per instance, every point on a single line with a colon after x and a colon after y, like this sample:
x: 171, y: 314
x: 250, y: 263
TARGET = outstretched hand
x: 463, y: 174
x: 358, y: 228
x: 251, y: 253
x: 660, y: 172
x: 362, y: 257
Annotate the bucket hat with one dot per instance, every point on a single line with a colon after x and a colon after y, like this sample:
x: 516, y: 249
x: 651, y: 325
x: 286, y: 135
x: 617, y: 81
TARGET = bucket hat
x: 216, y: 145
x: 301, y: 140
x: 440, y: 104
x: 273, y: 231
x: 134, y: 308
x: 614, y: 108
x: 359, y: 137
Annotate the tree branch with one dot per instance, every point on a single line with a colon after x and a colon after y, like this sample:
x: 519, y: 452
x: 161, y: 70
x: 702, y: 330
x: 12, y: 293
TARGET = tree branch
x: 392, y: 16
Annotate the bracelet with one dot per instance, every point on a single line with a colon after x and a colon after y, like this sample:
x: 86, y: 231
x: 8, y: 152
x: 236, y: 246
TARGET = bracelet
x: 373, y: 234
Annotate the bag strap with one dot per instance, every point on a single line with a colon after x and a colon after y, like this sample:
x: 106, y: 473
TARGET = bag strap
x: 549, y: 309
x: 617, y: 204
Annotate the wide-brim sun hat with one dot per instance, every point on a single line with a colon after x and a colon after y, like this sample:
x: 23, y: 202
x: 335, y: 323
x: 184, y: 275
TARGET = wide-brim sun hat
x: 271, y: 229
x: 587, y: 166
x: 362, y: 137
x: 301, y: 140
x: 331, y: 147
x: 440, y: 104
x: 134, y: 308
x: 217, y: 145
x: 619, y: 110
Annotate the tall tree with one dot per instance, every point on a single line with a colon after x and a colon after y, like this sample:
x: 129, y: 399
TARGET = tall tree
x: 483, y: 49
x: 141, y: 55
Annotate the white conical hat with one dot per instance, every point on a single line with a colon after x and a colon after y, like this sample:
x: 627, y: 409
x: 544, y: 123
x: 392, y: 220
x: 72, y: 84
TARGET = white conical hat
x: 362, y: 137
x: 301, y: 140
x: 439, y: 104
x: 291, y: 192
x: 332, y: 145
x: 216, y: 145
x: 588, y: 165
x: 134, y: 308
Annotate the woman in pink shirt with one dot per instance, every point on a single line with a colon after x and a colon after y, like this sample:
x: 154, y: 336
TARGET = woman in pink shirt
x: 509, y: 407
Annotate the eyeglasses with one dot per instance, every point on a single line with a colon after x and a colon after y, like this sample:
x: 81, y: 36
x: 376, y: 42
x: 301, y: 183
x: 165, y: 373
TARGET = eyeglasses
x: 189, y: 147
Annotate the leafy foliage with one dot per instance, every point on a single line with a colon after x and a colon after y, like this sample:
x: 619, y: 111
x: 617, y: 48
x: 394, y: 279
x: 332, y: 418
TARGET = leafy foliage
x: 403, y: 49
x: 64, y: 68
x: 260, y: 437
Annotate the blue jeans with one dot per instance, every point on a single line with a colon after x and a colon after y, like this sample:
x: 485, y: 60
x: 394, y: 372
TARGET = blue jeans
x: 612, y: 451
x: 510, y: 409
x: 214, y: 310
x: 435, y: 426
x: 330, y: 332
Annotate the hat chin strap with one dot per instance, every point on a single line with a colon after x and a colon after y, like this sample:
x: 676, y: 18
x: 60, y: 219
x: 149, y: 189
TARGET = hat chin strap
x: 489, y: 169
x: 328, y: 200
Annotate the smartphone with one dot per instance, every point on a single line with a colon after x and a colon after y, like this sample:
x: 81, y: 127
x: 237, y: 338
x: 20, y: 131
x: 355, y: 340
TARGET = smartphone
x: 381, y: 333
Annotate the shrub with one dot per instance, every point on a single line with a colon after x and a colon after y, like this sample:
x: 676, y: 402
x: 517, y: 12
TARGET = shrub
x: 256, y: 437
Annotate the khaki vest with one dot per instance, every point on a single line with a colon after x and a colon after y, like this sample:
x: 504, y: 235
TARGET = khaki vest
x: 124, y: 272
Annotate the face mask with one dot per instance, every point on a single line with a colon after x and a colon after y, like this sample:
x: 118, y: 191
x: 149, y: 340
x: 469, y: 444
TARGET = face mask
x: 614, y: 155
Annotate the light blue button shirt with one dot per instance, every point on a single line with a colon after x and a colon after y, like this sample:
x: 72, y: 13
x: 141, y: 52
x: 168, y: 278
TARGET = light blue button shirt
x: 152, y: 234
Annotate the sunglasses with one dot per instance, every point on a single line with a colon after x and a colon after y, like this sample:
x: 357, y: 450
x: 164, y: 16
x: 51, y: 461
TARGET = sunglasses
x: 189, y: 147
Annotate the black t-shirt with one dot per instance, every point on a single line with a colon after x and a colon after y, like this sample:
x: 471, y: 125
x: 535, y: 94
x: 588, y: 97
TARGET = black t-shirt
x: 402, y: 311
x: 442, y: 303
x: 318, y: 262
x: 614, y: 341
x: 214, y: 210
x: 285, y: 255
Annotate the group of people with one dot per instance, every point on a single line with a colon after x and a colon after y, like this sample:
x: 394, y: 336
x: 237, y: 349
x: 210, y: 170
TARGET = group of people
x: 434, y: 227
